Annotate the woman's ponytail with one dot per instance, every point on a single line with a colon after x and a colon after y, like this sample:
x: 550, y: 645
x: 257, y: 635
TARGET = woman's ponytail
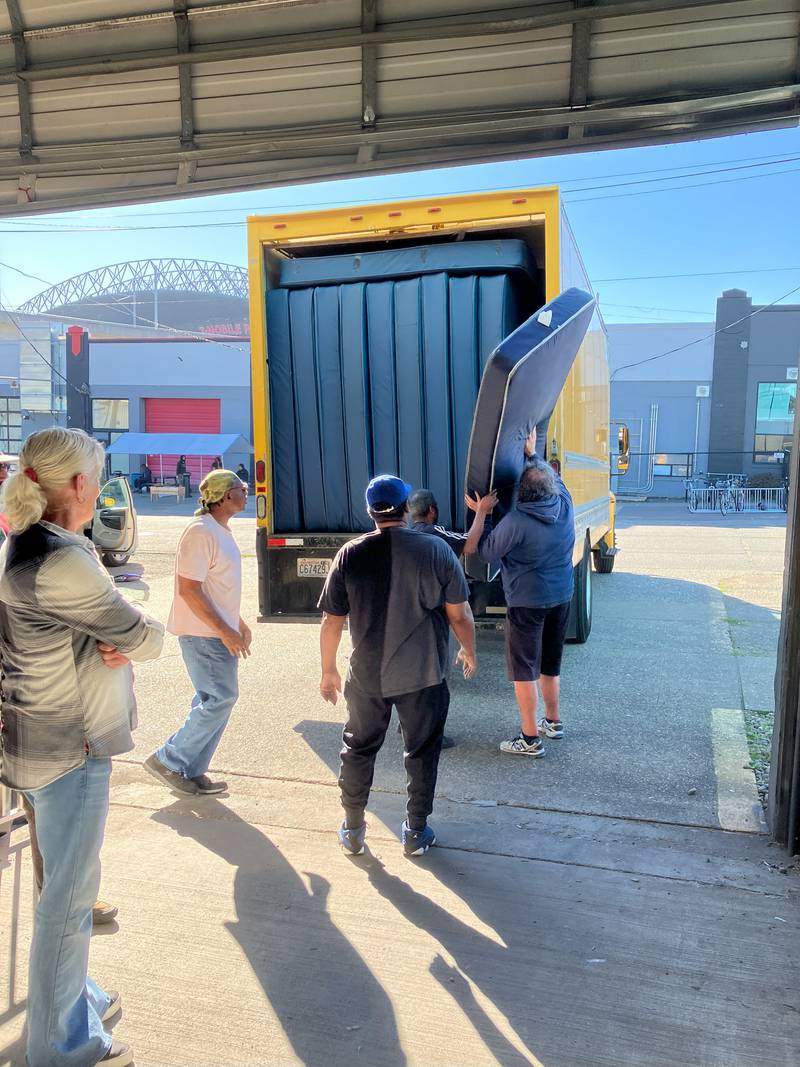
x: 23, y: 500
x: 48, y: 461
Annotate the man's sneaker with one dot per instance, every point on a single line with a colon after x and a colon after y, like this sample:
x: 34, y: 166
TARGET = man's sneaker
x: 115, y: 1005
x: 417, y: 842
x: 118, y: 1055
x: 518, y: 746
x: 553, y: 730
x: 171, y: 779
x: 103, y: 913
x: 352, y: 840
x: 448, y: 742
x: 205, y: 785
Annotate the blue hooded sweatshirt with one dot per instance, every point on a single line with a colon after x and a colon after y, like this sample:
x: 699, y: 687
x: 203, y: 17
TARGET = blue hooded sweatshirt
x: 533, y: 545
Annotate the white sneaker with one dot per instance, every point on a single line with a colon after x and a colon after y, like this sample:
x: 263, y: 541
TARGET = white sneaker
x: 518, y: 746
x: 553, y: 730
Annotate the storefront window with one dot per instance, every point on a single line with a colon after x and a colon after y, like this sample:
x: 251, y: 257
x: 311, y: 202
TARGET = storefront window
x: 775, y: 409
x: 10, y: 425
x: 110, y: 414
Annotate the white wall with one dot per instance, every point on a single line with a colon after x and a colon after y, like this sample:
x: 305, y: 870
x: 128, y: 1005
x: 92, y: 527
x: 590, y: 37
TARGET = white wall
x: 172, y: 364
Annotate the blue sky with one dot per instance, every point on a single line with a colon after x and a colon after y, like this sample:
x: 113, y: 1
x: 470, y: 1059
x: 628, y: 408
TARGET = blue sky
x: 716, y: 214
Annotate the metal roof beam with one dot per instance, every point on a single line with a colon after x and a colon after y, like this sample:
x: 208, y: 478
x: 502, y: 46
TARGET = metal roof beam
x: 23, y: 89
x: 579, y: 66
x: 369, y: 66
x: 142, y: 155
x: 412, y: 160
x: 184, y: 44
x: 430, y: 30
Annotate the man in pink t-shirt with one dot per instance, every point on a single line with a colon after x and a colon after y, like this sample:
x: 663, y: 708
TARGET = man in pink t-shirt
x: 213, y: 636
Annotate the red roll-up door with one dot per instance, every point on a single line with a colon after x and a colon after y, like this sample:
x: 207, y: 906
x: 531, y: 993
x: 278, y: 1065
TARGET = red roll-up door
x: 181, y: 415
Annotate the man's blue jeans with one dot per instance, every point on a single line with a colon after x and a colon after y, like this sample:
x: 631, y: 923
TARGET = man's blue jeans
x: 64, y: 1004
x: 214, y: 673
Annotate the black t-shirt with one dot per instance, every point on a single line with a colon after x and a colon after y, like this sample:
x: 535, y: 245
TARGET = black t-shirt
x: 394, y: 583
x: 455, y: 540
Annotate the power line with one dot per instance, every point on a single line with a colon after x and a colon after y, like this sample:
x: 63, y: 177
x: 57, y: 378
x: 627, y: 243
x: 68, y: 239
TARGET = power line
x: 707, y: 337
x: 27, y: 226
x: 680, y: 189
x: 11, y: 318
x: 701, y: 274
x: 748, y: 161
x: 647, y: 307
x: 188, y: 335
x: 778, y: 157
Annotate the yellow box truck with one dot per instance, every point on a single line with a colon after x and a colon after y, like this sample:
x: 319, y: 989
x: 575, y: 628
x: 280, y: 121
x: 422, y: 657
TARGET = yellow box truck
x: 370, y: 328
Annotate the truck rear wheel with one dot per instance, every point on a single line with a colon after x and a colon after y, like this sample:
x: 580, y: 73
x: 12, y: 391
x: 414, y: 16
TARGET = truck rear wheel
x: 581, y: 611
x: 602, y: 564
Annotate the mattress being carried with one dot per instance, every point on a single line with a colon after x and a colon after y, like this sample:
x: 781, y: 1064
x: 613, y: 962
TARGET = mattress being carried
x: 521, y: 382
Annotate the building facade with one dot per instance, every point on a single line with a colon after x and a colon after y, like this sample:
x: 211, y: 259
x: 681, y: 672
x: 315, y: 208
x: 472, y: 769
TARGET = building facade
x: 664, y: 400
x: 163, y: 384
x: 714, y: 398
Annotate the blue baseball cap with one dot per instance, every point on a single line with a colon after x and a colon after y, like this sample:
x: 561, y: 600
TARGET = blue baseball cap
x: 386, y: 493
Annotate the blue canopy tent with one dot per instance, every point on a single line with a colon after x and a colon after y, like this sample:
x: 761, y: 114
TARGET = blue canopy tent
x: 171, y: 444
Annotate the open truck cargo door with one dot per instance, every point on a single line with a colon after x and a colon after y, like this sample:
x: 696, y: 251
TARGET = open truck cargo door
x: 521, y: 382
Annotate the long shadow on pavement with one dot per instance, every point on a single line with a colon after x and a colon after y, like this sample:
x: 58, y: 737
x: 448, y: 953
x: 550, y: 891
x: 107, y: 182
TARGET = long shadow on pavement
x: 567, y: 964
x: 315, y: 981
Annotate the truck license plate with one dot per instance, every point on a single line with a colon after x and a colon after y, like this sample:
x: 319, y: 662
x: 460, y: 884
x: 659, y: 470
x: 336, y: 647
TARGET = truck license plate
x: 313, y: 568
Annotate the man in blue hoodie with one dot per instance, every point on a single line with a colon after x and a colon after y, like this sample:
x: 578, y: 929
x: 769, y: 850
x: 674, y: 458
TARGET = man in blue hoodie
x: 533, y: 544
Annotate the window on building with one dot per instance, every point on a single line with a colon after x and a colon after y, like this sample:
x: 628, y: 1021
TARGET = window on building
x: 10, y: 425
x: 110, y: 414
x: 775, y: 408
x: 109, y: 420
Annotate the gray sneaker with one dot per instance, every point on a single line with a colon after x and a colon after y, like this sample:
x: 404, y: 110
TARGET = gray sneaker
x: 114, y: 1006
x: 518, y: 746
x: 205, y: 785
x: 171, y: 779
x: 553, y: 730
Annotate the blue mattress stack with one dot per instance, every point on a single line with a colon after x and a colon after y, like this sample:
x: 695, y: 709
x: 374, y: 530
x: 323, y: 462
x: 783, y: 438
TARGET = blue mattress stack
x: 374, y: 366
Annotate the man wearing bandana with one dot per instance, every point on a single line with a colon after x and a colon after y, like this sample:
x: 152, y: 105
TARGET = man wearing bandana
x: 213, y: 636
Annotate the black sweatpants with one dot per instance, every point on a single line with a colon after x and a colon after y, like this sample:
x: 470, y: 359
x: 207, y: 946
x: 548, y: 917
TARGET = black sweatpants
x: 422, y: 716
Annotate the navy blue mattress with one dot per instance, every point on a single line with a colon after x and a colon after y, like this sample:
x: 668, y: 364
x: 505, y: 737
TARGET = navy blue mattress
x: 521, y: 382
x: 454, y: 257
x: 380, y: 376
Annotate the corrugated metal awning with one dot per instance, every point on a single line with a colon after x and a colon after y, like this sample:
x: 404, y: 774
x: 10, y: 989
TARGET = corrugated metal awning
x: 152, y: 99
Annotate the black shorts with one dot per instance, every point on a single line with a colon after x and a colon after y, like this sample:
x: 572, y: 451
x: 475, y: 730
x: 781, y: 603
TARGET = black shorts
x: 535, y: 641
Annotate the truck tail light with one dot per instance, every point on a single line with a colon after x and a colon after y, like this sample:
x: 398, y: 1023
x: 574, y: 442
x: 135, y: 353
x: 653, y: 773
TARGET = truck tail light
x: 261, y: 471
x: 276, y: 542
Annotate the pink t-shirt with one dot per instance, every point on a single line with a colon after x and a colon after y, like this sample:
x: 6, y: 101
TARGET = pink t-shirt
x: 207, y: 553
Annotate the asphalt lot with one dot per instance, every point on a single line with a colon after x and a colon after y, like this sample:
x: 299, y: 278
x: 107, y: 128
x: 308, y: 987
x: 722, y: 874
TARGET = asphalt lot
x: 683, y: 631
x: 616, y: 904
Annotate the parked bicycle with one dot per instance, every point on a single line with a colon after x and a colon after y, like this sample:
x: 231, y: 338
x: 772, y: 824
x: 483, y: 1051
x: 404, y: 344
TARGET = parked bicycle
x: 731, y: 493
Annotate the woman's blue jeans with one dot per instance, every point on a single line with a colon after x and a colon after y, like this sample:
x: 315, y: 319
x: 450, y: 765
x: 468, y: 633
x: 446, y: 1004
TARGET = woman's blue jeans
x: 64, y: 1005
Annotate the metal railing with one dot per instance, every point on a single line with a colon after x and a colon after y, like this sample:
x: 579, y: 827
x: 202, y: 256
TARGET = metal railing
x: 735, y: 498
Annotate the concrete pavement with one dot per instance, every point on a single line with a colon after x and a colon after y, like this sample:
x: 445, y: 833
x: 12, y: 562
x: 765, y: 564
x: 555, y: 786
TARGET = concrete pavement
x: 613, y: 904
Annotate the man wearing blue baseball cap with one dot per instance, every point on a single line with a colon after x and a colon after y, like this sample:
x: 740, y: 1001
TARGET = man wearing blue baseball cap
x: 401, y: 590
